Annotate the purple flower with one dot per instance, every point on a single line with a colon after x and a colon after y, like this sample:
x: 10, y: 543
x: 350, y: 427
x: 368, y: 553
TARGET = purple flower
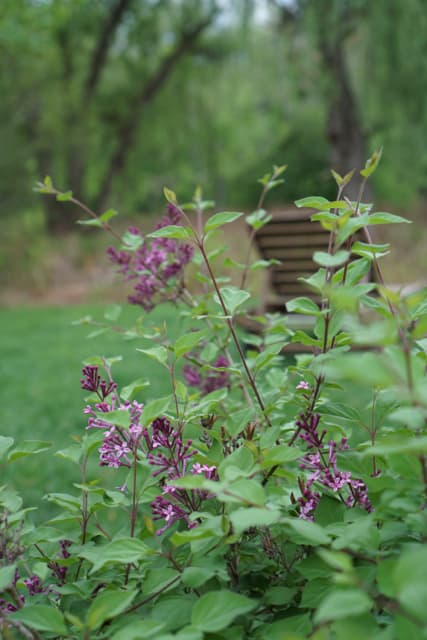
x: 92, y: 381
x: 34, y: 585
x: 321, y: 462
x: 308, y: 500
x: 163, y: 509
x: 119, y: 444
x: 114, y: 451
x: 170, y: 454
x: 303, y: 385
x: 65, y: 545
x: 192, y: 376
x: 157, y: 264
x: 217, y: 377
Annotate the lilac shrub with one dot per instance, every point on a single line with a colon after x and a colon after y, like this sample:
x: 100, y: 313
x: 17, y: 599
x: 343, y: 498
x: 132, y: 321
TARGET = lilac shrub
x: 264, y: 496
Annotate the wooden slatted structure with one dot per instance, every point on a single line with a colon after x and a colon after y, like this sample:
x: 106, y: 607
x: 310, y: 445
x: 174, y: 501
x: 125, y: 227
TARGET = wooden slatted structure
x: 292, y: 238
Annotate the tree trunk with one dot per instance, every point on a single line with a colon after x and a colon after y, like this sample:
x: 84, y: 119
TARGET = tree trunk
x: 344, y: 129
x: 148, y: 91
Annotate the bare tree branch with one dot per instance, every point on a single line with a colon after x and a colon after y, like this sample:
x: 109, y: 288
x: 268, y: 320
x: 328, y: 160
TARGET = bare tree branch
x: 100, y: 52
x: 147, y: 92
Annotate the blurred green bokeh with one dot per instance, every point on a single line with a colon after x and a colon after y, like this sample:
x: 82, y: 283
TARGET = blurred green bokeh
x: 116, y: 98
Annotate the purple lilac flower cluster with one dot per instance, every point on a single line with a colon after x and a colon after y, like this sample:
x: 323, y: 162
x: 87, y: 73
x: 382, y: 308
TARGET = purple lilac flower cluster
x: 321, y: 462
x: 9, y: 606
x: 171, y: 455
x: 34, y: 584
x: 157, y: 264
x: 161, y: 444
x: 119, y: 445
x: 211, y: 381
x: 10, y: 550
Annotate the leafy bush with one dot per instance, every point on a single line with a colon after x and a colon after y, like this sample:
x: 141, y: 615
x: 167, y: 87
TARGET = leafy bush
x: 259, y: 499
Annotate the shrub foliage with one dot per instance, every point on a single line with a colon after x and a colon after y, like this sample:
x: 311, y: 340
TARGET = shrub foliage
x: 263, y: 497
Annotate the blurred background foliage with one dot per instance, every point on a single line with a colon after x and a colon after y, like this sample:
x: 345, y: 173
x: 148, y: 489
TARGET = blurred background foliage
x: 116, y: 98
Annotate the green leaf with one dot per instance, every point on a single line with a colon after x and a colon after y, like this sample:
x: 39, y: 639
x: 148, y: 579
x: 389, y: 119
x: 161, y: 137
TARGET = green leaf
x: 108, y: 605
x: 91, y: 222
x: 120, y: 551
x: 348, y: 176
x: 370, y: 250
x: 242, y: 459
x: 171, y: 231
x: 41, y: 618
x: 160, y: 354
x: 170, y: 195
x: 303, y: 305
x: 278, y: 596
x: 112, y: 314
x: 381, y: 217
x: 412, y: 417
x: 371, y: 164
x: 304, y: 338
x: 5, y: 444
x: 28, y: 448
x: 233, y: 298
x: 245, y: 518
x: 139, y: 630
x: 397, y: 443
x: 314, y: 592
x: 118, y: 417
x: 244, y: 490
x: 280, y: 454
x: 174, y: 611
x: 339, y: 604
x: 289, y: 628
x: 160, y: 579
x: 219, y: 219
x: 154, y: 409
x: 72, y: 453
x: 327, y: 219
x: 306, y: 532
x: 7, y: 575
x: 361, y: 535
x: 10, y: 499
x: 312, y: 202
x: 107, y: 215
x: 187, y: 342
x: 366, y: 627
x: 257, y: 219
x: 132, y: 241
x: 279, y: 169
x: 336, y: 176
x: 194, y: 577
x: 65, y: 197
x: 325, y: 259
x: 409, y: 580
x: 65, y: 500
x: 194, y: 481
x: 130, y: 391
x: 216, y: 610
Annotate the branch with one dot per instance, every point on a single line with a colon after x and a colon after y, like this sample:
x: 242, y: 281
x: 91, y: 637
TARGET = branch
x: 97, y: 63
x: 146, y: 94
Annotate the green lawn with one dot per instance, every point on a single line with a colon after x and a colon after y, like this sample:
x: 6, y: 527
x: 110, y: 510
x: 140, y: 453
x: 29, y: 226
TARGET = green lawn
x: 40, y: 396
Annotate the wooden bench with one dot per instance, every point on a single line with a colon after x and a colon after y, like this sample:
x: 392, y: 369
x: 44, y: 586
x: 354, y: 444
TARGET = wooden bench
x: 292, y: 238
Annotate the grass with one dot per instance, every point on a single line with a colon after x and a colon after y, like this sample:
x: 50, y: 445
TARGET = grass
x: 40, y: 395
